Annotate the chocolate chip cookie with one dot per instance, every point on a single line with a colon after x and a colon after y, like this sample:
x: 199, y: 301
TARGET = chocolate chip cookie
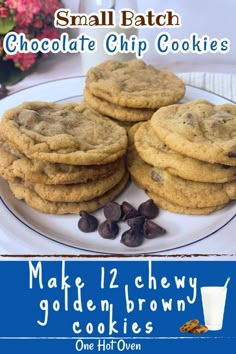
x: 156, y: 153
x: 188, y: 326
x: 199, y: 129
x: 134, y: 84
x: 174, y: 189
x: 33, y: 200
x: 63, y: 133
x: 15, y: 166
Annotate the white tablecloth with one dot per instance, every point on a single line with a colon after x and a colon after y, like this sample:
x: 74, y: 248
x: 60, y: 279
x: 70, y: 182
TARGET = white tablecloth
x: 65, y: 66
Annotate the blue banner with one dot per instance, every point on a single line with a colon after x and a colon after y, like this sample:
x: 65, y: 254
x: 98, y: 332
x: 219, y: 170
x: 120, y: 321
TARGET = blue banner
x: 111, y: 306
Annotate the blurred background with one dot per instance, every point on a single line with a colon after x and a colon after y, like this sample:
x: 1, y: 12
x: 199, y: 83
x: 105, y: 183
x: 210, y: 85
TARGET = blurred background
x: 215, y: 18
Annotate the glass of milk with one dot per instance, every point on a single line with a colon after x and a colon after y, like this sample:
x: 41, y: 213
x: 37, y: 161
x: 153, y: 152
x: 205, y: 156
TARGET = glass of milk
x: 213, y: 303
x: 88, y: 60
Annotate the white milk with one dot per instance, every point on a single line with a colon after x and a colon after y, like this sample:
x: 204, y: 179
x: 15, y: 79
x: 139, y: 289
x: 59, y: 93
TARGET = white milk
x: 213, y: 302
x: 89, y: 60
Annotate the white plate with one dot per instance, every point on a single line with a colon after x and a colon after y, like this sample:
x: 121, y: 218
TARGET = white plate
x: 182, y: 230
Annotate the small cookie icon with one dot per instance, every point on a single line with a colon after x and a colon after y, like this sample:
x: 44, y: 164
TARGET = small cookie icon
x: 188, y: 326
x: 199, y: 329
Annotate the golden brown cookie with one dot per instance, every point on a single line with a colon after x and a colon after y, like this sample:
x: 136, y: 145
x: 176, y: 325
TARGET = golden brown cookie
x: 199, y: 329
x: 175, y: 208
x: 120, y: 113
x: 177, y: 190
x: 63, y: 133
x: 174, y: 189
x: 33, y: 200
x: 14, y: 165
x: 156, y: 153
x: 134, y: 84
x: 199, y: 129
x: 80, y: 192
x: 188, y: 326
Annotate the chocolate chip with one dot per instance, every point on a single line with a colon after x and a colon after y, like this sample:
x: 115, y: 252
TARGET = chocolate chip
x: 188, y: 119
x: 225, y: 167
x: 113, y: 211
x: 232, y: 154
x: 156, y: 176
x: 152, y: 230
x: 136, y: 222
x: 148, y: 209
x: 129, y: 212
x: 108, y: 229
x: 132, y: 238
x: 87, y: 222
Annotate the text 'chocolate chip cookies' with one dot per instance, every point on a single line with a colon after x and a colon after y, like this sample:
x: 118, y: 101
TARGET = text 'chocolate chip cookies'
x: 62, y: 158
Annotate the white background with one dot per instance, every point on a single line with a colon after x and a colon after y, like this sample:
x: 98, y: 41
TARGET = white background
x: 215, y: 18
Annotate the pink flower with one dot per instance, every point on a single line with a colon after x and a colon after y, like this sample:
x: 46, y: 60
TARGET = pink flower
x: 23, y: 60
x: 49, y: 33
x: 49, y: 7
x: 18, y: 5
x: 35, y: 19
x: 24, y: 20
x: 38, y: 24
x: 21, y: 29
x: 25, y: 6
x: 34, y: 6
x: 4, y: 12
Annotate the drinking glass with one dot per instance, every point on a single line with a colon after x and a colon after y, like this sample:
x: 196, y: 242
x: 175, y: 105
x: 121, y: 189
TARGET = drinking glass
x: 89, y: 60
x: 213, y: 303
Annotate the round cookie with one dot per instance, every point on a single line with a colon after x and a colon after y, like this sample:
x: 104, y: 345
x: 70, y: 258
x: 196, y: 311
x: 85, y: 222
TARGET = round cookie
x: 188, y: 326
x: 63, y: 133
x: 120, y: 113
x: 14, y: 165
x: 199, y: 129
x: 33, y: 200
x: 156, y: 153
x: 175, y: 189
x: 174, y: 208
x: 134, y: 84
x: 82, y: 191
x: 199, y: 329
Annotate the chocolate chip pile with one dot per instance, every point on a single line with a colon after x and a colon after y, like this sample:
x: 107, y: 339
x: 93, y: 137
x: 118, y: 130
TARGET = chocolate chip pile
x: 139, y: 221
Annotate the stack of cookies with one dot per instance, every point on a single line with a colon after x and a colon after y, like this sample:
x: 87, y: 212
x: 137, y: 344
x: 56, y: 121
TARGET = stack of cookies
x: 62, y: 158
x: 185, y: 157
x: 131, y: 91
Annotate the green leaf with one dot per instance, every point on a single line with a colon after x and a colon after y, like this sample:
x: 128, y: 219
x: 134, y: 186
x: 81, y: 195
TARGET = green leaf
x: 10, y: 75
x: 18, y: 75
x: 6, y: 24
